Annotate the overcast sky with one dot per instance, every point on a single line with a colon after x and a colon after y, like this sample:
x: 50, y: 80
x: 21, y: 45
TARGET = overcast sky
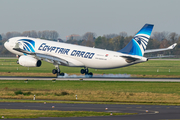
x: 81, y: 16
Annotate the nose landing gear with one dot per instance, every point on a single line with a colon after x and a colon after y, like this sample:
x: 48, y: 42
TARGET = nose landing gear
x: 86, y: 71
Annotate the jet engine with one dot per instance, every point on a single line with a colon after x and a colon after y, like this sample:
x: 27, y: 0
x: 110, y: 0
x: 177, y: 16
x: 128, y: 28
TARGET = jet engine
x: 29, y: 61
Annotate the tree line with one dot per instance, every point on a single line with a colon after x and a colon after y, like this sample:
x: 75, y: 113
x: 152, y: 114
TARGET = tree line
x: 113, y: 42
x: 116, y: 42
x: 46, y: 34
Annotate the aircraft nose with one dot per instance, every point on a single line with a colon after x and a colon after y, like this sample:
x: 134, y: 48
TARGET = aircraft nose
x: 5, y: 45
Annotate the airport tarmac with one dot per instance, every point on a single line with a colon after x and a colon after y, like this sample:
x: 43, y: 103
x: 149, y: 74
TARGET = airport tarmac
x: 94, y: 79
x: 155, y: 112
x: 145, y: 112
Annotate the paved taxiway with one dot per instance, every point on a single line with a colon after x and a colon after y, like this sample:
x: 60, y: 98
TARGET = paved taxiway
x: 94, y: 79
x: 155, y: 112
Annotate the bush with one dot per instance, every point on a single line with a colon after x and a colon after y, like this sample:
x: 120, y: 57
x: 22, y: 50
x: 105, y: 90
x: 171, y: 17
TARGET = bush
x: 27, y: 93
x: 61, y: 94
x: 64, y: 93
x: 57, y: 94
x: 18, y: 92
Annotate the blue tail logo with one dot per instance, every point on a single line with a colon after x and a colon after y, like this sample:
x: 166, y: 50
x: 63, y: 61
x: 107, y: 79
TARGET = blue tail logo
x: 142, y: 41
x: 27, y: 44
x: 138, y: 44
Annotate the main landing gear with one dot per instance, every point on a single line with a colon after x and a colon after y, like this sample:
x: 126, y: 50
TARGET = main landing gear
x: 57, y: 71
x: 87, y: 73
x: 83, y: 71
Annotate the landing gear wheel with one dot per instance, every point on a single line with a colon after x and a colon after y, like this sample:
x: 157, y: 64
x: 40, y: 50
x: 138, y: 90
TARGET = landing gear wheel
x: 17, y: 61
x: 57, y: 71
x: 86, y: 71
x: 82, y: 71
x: 90, y: 74
x: 61, y: 74
x: 54, y: 71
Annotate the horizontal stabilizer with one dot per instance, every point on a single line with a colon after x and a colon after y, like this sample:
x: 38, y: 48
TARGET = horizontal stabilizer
x: 132, y: 58
x: 163, y: 49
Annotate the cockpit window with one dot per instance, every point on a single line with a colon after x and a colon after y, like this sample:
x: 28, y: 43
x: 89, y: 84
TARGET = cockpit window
x: 7, y: 40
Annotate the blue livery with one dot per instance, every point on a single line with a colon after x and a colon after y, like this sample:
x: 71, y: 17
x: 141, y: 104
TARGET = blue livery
x: 138, y: 44
x: 28, y: 44
x: 75, y: 53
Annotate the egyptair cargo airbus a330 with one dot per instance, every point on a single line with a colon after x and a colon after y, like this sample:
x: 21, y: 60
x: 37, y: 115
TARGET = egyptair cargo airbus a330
x: 32, y: 50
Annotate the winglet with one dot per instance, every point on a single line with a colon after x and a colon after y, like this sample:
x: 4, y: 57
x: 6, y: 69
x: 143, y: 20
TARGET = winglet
x: 172, y: 46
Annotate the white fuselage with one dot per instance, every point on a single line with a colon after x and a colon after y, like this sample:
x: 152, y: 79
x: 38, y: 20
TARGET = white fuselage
x: 78, y: 56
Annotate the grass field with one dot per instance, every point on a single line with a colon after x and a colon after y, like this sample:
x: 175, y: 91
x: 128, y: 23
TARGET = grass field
x: 18, y: 113
x: 131, y: 92
x: 111, y: 92
x: 152, y: 68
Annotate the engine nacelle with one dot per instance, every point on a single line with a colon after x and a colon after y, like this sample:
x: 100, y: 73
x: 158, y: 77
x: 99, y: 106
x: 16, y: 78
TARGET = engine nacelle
x: 28, y: 61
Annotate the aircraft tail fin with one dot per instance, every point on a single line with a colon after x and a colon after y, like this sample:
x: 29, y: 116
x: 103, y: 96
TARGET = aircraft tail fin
x: 138, y: 44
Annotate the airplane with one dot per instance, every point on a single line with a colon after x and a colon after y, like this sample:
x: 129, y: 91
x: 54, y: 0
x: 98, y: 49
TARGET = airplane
x: 31, y: 51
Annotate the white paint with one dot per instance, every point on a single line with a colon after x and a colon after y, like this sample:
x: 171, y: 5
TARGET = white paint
x: 97, y: 62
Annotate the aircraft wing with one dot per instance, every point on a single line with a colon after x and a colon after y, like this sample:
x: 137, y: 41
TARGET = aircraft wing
x: 47, y: 58
x: 163, y: 49
x: 51, y: 59
x: 166, y: 56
